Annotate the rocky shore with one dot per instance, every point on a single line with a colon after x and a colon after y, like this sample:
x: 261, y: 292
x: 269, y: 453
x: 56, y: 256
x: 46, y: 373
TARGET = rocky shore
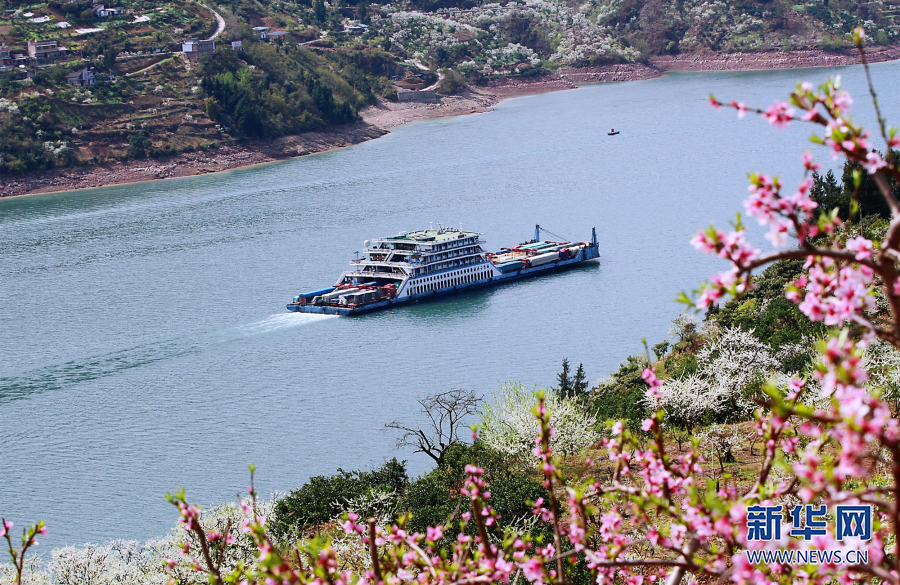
x: 377, y: 120
x: 387, y: 115
x: 190, y: 163
x: 771, y: 60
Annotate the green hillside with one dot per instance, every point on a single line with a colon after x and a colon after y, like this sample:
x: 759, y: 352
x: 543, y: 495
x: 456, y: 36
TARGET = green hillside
x: 324, y: 61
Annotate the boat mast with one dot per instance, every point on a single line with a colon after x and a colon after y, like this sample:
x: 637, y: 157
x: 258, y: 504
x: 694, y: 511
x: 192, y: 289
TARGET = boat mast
x: 537, y: 233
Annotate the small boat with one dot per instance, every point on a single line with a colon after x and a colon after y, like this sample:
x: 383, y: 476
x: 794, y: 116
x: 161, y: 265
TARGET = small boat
x: 612, y: 132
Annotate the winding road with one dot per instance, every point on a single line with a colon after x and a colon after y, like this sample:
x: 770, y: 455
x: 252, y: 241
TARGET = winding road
x: 220, y: 23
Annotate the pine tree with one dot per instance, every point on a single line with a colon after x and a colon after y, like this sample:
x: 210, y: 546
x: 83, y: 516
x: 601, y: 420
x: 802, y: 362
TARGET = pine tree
x: 580, y: 385
x: 319, y: 10
x: 564, y: 381
x: 364, y: 12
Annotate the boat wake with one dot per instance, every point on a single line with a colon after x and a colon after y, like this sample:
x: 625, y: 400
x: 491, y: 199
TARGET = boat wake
x: 90, y: 368
x: 282, y: 321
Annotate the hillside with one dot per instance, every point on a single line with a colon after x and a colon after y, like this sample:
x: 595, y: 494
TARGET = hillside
x: 310, y: 65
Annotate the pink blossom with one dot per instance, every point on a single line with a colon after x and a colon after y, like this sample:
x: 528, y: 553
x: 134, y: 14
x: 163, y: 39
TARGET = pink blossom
x: 705, y: 242
x: 861, y: 246
x: 610, y: 522
x: 809, y: 164
x: 779, y: 114
x: 649, y: 376
x: 873, y: 163
x: 533, y: 569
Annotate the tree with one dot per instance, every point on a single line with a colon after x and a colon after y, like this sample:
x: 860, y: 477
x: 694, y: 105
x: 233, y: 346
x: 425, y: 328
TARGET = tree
x: 564, y: 381
x: 661, y: 349
x: 580, y: 383
x: 685, y: 401
x: 731, y: 364
x: 319, y: 11
x: 727, y: 366
x: 620, y: 395
x: 323, y: 498
x: 138, y: 144
x: 569, y: 387
x: 451, y: 82
x: 855, y: 185
x: 446, y: 413
x: 509, y: 426
x: 363, y: 12
x: 683, y: 327
x: 109, y: 58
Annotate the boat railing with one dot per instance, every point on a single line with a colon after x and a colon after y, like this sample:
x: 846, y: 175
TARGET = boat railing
x: 371, y: 274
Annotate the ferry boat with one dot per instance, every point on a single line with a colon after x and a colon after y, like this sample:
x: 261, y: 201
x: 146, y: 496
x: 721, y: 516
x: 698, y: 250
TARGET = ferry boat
x: 434, y: 262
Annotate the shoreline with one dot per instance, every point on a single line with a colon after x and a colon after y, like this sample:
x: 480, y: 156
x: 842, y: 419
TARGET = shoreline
x: 379, y: 119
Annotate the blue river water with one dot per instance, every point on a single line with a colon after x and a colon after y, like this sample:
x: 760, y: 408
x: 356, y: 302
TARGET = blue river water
x: 145, y: 343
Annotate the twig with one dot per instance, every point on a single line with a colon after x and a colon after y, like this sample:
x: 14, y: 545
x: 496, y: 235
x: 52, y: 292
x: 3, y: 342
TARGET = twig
x: 373, y: 551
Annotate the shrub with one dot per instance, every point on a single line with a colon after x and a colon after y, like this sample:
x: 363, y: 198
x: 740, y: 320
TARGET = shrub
x: 324, y: 498
x: 451, y: 82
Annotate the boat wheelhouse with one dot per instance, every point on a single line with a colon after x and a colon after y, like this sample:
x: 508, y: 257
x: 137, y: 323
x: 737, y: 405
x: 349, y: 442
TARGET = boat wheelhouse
x: 427, y: 263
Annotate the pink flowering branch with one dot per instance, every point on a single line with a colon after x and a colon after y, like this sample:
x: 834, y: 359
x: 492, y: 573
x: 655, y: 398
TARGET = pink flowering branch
x: 29, y: 539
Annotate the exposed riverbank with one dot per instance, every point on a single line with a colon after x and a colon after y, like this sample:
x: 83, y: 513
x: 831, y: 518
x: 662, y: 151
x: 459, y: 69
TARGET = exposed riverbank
x: 189, y: 163
x: 379, y: 119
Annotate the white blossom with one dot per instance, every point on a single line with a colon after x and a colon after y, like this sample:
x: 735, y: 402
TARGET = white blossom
x: 509, y: 426
x: 882, y: 362
x: 726, y: 366
x: 8, y: 105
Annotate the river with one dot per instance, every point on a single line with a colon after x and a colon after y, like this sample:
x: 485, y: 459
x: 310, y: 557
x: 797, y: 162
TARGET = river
x: 145, y: 343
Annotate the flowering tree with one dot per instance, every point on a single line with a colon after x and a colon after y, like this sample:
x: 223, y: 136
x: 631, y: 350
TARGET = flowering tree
x: 686, y: 400
x: 508, y: 425
x: 726, y: 366
x: 882, y: 362
x: 683, y: 326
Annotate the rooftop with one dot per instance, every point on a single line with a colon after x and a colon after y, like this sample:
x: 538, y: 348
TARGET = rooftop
x: 441, y: 235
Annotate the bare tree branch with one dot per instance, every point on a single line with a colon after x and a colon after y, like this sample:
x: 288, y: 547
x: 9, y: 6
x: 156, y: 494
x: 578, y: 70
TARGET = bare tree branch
x: 445, y: 412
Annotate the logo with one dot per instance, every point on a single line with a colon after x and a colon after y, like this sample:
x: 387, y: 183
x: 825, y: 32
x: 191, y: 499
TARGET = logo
x: 764, y: 524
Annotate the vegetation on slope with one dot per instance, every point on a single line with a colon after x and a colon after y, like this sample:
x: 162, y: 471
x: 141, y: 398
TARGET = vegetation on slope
x: 336, y: 57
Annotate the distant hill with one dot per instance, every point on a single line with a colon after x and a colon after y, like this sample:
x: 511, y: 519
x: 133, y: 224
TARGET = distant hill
x: 308, y: 64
